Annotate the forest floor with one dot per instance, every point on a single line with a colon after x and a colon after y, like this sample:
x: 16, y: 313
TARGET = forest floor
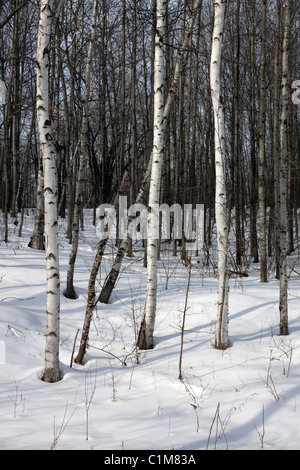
x: 244, y: 398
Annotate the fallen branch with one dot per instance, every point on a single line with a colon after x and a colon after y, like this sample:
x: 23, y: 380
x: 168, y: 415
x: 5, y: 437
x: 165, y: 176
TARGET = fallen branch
x: 123, y: 362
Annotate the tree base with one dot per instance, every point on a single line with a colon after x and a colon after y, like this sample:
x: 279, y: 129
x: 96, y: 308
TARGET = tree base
x: 70, y: 293
x: 105, y: 293
x: 222, y: 345
x: 79, y: 359
x: 144, y: 342
x: 51, y: 375
x: 36, y: 244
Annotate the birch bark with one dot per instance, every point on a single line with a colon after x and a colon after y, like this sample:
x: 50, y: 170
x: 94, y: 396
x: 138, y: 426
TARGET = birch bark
x: 145, y: 340
x: 221, y: 335
x: 48, y: 152
x: 283, y: 308
x: 276, y: 133
x: 253, y: 162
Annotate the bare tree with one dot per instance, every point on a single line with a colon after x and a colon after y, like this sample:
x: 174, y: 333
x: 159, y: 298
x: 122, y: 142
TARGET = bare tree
x: 221, y: 336
x: 70, y: 291
x: 48, y: 152
x: 276, y: 132
x: 37, y: 239
x: 253, y: 158
x: 145, y: 340
x: 283, y: 307
x: 261, y: 150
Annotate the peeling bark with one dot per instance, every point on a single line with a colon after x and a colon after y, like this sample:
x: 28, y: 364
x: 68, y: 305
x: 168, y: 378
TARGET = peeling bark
x: 145, y: 339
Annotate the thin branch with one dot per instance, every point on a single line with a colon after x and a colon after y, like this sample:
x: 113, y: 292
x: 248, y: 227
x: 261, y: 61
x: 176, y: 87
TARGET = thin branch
x: 8, y: 18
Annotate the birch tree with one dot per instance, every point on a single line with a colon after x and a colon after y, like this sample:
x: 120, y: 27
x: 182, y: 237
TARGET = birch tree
x: 221, y: 335
x: 70, y: 291
x: 276, y: 132
x: 91, y: 291
x: 283, y: 308
x: 48, y: 152
x: 261, y: 150
x: 111, y: 279
x: 252, y: 132
x: 145, y: 339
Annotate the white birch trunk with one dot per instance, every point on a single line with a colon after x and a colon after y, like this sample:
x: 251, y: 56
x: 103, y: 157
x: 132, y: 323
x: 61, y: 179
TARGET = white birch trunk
x: 48, y: 151
x: 145, y: 340
x: 221, y: 335
x: 283, y: 308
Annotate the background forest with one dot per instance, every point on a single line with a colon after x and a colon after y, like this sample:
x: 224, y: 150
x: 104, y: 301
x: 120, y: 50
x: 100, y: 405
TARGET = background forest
x: 80, y: 123
x: 120, y: 115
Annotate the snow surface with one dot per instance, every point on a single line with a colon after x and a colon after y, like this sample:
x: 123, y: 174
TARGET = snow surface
x: 244, y: 398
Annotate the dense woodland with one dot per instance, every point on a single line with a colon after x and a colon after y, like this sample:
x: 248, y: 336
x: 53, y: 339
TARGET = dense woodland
x: 100, y: 74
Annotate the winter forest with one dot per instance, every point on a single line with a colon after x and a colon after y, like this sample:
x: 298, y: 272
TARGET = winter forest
x: 149, y: 245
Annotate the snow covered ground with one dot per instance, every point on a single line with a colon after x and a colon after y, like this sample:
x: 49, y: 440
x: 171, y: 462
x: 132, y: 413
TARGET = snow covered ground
x: 244, y: 398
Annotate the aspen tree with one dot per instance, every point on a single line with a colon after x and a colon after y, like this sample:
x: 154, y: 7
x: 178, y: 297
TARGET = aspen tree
x: 240, y: 243
x: 5, y: 147
x: 221, y: 335
x: 283, y: 308
x: 91, y: 291
x: 48, y: 152
x: 16, y: 115
x: 145, y: 340
x: 276, y: 132
x: 252, y: 132
x: 70, y: 291
x: 133, y: 160
x: 261, y: 150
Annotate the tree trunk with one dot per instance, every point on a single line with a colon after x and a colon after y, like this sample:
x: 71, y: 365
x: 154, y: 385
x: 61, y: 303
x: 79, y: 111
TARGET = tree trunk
x: 221, y: 335
x: 133, y: 160
x: 16, y: 114
x: 276, y: 134
x: 283, y: 307
x: 91, y: 300
x: 70, y: 292
x: 37, y: 239
x: 253, y: 158
x: 261, y: 151
x: 237, y: 141
x: 47, y: 149
x: 145, y: 339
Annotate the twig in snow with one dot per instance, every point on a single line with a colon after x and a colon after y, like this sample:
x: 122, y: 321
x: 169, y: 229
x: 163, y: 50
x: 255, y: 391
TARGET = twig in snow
x: 262, y: 434
x: 58, y: 432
